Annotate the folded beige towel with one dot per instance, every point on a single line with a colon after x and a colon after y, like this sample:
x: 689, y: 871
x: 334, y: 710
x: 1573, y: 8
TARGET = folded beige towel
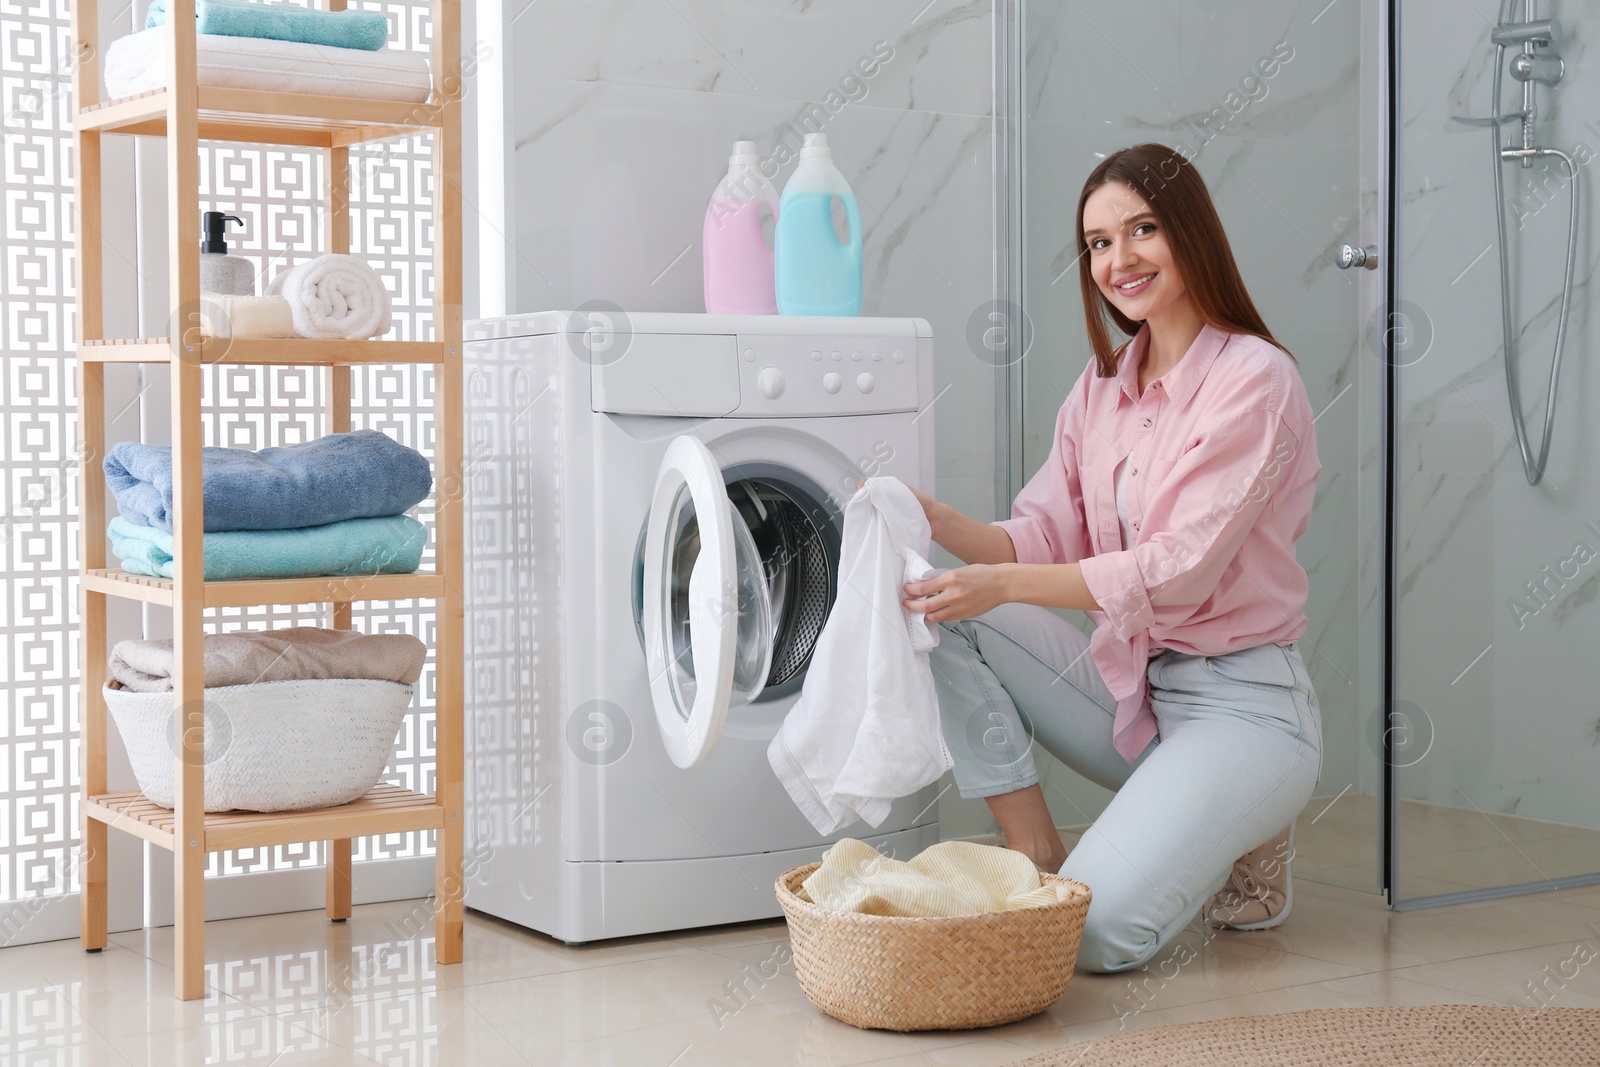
x: 292, y: 654
x: 222, y: 315
x: 950, y: 878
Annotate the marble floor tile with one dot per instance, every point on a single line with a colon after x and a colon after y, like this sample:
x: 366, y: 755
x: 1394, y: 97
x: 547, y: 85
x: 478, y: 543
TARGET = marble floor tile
x: 295, y: 989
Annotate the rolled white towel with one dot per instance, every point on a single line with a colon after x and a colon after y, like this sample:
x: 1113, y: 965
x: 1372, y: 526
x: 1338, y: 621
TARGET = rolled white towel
x: 334, y: 296
x: 222, y: 315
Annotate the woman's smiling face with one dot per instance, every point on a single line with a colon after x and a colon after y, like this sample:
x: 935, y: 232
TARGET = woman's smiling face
x: 1129, y: 257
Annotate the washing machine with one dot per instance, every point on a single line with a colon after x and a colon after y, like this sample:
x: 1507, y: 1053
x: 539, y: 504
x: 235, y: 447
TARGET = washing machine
x: 653, y: 508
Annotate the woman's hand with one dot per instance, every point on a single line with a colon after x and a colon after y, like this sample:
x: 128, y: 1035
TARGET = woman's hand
x: 961, y: 593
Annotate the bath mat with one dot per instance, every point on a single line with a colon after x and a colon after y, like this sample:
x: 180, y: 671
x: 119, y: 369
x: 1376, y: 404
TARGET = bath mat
x: 1435, y: 1036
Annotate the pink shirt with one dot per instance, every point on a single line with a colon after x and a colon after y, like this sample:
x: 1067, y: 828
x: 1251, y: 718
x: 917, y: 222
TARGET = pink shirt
x: 1222, y: 470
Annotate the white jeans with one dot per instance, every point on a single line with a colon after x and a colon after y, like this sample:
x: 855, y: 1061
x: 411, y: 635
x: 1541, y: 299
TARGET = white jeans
x: 1237, y: 757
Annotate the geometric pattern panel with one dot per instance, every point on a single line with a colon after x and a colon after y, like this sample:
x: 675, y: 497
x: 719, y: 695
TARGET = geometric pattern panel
x: 38, y: 465
x: 278, y: 193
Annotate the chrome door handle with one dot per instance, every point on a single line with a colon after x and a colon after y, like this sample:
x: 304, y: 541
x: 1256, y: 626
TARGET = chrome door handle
x: 1365, y: 256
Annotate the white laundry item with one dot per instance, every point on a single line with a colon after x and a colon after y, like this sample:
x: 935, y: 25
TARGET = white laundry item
x: 866, y: 727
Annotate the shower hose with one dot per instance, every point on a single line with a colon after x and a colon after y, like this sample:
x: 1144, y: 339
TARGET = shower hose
x: 1532, y: 468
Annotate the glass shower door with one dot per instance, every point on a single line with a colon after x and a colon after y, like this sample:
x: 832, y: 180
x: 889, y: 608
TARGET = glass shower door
x: 1496, y: 754
x: 1277, y: 107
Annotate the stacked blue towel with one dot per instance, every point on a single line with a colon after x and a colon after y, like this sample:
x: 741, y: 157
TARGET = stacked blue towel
x: 360, y: 475
x: 332, y: 506
x: 365, y: 30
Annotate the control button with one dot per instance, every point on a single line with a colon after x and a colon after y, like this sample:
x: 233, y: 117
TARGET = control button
x: 1147, y: 422
x: 749, y: 355
x: 877, y: 357
x: 837, y: 356
x: 831, y: 382
x: 865, y: 381
x: 856, y: 356
x: 770, y: 382
x: 816, y: 355
x: 899, y: 357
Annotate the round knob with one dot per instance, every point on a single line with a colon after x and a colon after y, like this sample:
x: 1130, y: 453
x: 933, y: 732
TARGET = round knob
x: 770, y: 382
x: 865, y: 381
x: 831, y: 381
x: 1350, y: 256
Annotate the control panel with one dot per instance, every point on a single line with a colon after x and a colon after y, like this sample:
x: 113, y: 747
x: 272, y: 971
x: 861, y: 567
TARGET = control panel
x: 757, y: 376
x: 826, y: 375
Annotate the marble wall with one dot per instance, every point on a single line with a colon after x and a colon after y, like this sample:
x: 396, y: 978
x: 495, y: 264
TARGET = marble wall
x: 623, y: 112
x: 1498, y: 577
x: 1283, y: 158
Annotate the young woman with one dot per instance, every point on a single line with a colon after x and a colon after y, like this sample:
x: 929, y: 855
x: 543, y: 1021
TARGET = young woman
x: 1181, y: 474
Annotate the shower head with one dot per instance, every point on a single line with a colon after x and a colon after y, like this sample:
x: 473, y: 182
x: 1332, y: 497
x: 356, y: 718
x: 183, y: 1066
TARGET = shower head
x: 1513, y: 33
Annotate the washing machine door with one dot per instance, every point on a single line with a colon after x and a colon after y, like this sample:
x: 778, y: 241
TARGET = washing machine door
x: 707, y: 608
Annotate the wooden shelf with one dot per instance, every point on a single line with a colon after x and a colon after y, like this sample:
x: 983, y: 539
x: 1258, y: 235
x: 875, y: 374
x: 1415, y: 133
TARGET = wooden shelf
x: 257, y: 117
x: 386, y: 809
x: 250, y: 592
x: 261, y: 351
x: 185, y: 114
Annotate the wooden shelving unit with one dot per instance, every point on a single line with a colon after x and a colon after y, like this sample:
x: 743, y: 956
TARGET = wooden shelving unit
x: 183, y: 114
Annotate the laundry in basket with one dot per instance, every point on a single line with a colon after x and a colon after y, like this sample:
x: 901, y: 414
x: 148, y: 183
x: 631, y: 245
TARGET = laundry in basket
x: 950, y: 878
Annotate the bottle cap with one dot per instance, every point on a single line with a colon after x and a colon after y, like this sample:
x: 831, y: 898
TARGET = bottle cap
x: 744, y: 155
x: 816, y: 147
x: 214, y: 225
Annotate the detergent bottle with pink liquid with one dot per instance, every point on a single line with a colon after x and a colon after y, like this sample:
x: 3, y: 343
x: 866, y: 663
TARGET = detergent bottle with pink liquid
x: 736, y: 256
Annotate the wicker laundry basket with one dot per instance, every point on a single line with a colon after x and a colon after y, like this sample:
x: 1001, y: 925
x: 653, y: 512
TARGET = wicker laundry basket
x: 269, y: 746
x: 890, y: 972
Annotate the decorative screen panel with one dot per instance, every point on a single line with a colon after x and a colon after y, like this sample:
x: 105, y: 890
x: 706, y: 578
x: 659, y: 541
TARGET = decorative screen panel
x: 38, y: 496
x: 278, y: 191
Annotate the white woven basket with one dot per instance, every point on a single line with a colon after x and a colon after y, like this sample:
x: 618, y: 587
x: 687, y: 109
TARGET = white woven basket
x: 269, y: 746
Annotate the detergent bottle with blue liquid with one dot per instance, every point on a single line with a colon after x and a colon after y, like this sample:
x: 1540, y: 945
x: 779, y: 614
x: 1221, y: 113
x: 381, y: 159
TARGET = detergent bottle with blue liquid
x: 815, y: 272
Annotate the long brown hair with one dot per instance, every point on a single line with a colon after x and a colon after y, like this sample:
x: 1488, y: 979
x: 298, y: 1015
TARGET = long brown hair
x: 1177, y: 196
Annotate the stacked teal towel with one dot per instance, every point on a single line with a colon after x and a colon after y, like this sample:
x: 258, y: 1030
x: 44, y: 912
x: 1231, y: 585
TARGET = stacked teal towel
x: 366, y: 30
x: 390, y: 545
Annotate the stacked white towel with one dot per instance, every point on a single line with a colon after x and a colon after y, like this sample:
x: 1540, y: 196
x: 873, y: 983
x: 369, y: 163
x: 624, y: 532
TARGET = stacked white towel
x: 334, y: 296
x: 137, y: 64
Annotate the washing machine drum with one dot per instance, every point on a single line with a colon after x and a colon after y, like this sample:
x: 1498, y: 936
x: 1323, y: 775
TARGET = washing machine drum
x: 785, y: 555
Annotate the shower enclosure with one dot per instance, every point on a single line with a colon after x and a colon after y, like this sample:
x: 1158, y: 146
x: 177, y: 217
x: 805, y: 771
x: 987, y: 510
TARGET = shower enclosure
x: 1454, y: 547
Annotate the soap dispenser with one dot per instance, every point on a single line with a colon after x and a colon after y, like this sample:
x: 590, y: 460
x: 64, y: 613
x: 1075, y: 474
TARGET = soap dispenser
x: 220, y: 272
x: 817, y: 273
